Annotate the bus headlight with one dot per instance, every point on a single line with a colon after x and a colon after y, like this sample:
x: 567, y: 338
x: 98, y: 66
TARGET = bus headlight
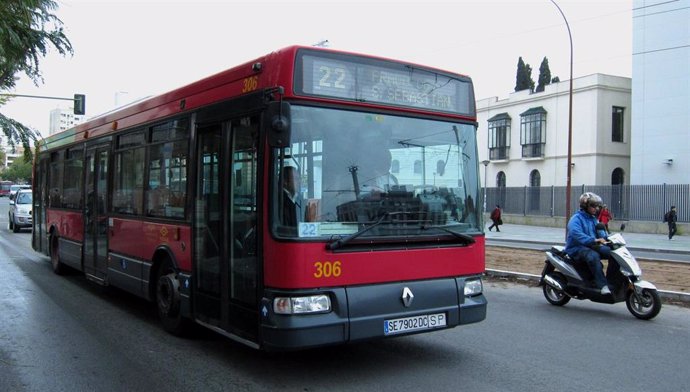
x: 473, y: 287
x: 301, y: 305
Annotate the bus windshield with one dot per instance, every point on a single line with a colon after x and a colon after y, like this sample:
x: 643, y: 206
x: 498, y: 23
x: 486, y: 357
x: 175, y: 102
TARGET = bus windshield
x: 349, y: 173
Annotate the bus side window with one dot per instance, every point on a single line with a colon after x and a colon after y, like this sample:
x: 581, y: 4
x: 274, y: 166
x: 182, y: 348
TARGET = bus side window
x: 157, y: 201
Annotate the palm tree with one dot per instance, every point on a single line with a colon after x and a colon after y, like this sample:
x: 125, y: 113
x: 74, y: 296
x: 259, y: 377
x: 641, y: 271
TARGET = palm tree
x: 28, y: 28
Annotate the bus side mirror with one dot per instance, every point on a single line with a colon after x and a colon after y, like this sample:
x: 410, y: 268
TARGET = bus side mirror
x: 277, y: 123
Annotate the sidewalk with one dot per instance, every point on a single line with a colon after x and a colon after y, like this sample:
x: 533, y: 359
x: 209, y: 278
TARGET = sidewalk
x: 552, y: 236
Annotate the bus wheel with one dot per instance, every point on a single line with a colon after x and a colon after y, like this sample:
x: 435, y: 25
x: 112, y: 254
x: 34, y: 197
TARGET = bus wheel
x: 168, y: 300
x: 58, y: 267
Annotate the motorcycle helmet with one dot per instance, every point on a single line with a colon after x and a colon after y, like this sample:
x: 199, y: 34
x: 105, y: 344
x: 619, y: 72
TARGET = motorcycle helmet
x: 590, y: 199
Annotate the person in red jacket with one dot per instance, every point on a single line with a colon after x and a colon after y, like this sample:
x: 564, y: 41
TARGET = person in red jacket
x: 605, y: 216
x: 496, y: 218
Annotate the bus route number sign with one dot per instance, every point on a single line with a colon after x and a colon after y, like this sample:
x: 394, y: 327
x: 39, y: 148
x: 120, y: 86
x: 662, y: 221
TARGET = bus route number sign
x: 367, y: 80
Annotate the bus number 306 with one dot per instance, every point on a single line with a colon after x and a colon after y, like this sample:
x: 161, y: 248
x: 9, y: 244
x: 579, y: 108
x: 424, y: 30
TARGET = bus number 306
x: 250, y: 84
x: 327, y: 269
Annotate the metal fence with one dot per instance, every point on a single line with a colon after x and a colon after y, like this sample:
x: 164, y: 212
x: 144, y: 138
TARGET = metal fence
x: 626, y: 202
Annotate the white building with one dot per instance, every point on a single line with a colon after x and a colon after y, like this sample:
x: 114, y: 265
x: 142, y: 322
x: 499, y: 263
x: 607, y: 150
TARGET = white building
x: 10, y: 156
x: 525, y: 137
x: 661, y: 92
x: 63, y: 119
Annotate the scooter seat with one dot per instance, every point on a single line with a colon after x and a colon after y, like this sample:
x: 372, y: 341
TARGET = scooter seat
x: 559, y: 251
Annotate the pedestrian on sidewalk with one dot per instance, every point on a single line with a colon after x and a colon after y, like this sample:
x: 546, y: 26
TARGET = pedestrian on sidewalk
x: 496, y: 218
x: 670, y: 217
x: 605, y: 216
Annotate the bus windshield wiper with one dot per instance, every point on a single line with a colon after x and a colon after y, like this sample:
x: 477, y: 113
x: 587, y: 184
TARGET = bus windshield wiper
x: 468, y: 238
x: 340, y: 242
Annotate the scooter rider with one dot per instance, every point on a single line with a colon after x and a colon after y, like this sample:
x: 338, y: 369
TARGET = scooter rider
x: 582, y: 243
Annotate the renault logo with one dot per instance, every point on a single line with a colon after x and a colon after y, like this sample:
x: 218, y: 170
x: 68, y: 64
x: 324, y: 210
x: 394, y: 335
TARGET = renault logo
x: 407, y: 297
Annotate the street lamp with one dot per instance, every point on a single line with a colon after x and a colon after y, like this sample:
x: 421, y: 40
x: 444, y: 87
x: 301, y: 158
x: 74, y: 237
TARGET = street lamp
x: 486, y: 165
x: 570, y: 125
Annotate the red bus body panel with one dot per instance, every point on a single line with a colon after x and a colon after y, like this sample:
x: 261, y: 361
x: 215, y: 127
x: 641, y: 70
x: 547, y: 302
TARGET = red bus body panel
x: 141, y: 239
x: 289, y: 265
x: 69, y: 224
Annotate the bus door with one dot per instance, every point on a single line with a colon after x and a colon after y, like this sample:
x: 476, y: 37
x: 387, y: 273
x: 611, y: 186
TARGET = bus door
x: 225, y: 233
x: 95, y: 218
x: 39, y: 238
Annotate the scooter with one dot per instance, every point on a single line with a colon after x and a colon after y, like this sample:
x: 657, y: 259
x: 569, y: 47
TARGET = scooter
x: 563, y: 279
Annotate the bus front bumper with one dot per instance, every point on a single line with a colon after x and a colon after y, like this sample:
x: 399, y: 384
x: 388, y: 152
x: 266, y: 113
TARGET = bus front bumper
x: 372, y: 312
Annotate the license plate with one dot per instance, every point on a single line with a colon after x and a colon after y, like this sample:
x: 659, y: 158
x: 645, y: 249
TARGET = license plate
x: 414, y: 323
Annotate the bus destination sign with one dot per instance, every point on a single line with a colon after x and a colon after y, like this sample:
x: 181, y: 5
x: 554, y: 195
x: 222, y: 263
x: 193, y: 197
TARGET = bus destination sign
x: 368, y: 80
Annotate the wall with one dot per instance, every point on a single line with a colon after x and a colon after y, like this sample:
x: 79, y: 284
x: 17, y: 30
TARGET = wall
x: 593, y: 154
x: 661, y: 92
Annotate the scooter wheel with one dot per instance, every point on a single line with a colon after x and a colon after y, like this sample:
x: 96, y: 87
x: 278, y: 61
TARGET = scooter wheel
x: 553, y: 295
x: 644, y: 306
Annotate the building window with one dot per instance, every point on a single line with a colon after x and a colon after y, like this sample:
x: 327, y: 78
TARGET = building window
x: 501, y: 191
x: 534, y: 178
x: 617, y: 124
x: 501, y: 180
x: 440, y: 167
x: 417, y: 167
x: 499, y: 137
x: 534, y: 192
x: 533, y: 132
x: 395, y: 166
x: 618, y: 177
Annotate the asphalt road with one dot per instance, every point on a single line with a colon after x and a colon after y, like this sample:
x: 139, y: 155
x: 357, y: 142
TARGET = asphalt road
x: 66, y: 334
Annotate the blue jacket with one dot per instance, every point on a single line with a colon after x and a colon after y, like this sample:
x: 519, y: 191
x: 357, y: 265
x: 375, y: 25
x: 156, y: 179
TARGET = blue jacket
x: 581, y: 232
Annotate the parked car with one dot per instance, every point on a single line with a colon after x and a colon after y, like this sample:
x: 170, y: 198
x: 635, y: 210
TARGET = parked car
x: 20, y: 215
x: 14, y: 188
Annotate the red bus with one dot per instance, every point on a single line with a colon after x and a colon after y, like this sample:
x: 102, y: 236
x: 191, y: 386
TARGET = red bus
x: 306, y: 198
x: 5, y: 188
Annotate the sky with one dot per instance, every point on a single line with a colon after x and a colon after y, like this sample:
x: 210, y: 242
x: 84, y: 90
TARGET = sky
x: 125, y: 50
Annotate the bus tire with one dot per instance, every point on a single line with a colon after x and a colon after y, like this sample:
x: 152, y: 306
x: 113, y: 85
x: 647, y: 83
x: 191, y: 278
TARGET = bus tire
x: 168, y: 302
x: 58, y: 267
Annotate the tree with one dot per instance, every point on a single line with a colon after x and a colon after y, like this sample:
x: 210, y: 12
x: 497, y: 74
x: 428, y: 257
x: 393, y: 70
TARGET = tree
x: 18, y: 172
x: 523, y: 78
x: 28, y: 28
x: 544, y: 75
x: 3, y: 154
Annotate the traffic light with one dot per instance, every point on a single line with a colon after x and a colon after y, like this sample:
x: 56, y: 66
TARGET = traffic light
x: 79, y: 104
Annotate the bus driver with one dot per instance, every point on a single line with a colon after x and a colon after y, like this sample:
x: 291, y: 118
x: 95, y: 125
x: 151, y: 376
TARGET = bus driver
x: 291, y: 205
x: 376, y: 176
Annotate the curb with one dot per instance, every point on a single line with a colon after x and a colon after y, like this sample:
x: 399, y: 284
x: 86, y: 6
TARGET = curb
x: 547, y: 245
x: 669, y: 295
